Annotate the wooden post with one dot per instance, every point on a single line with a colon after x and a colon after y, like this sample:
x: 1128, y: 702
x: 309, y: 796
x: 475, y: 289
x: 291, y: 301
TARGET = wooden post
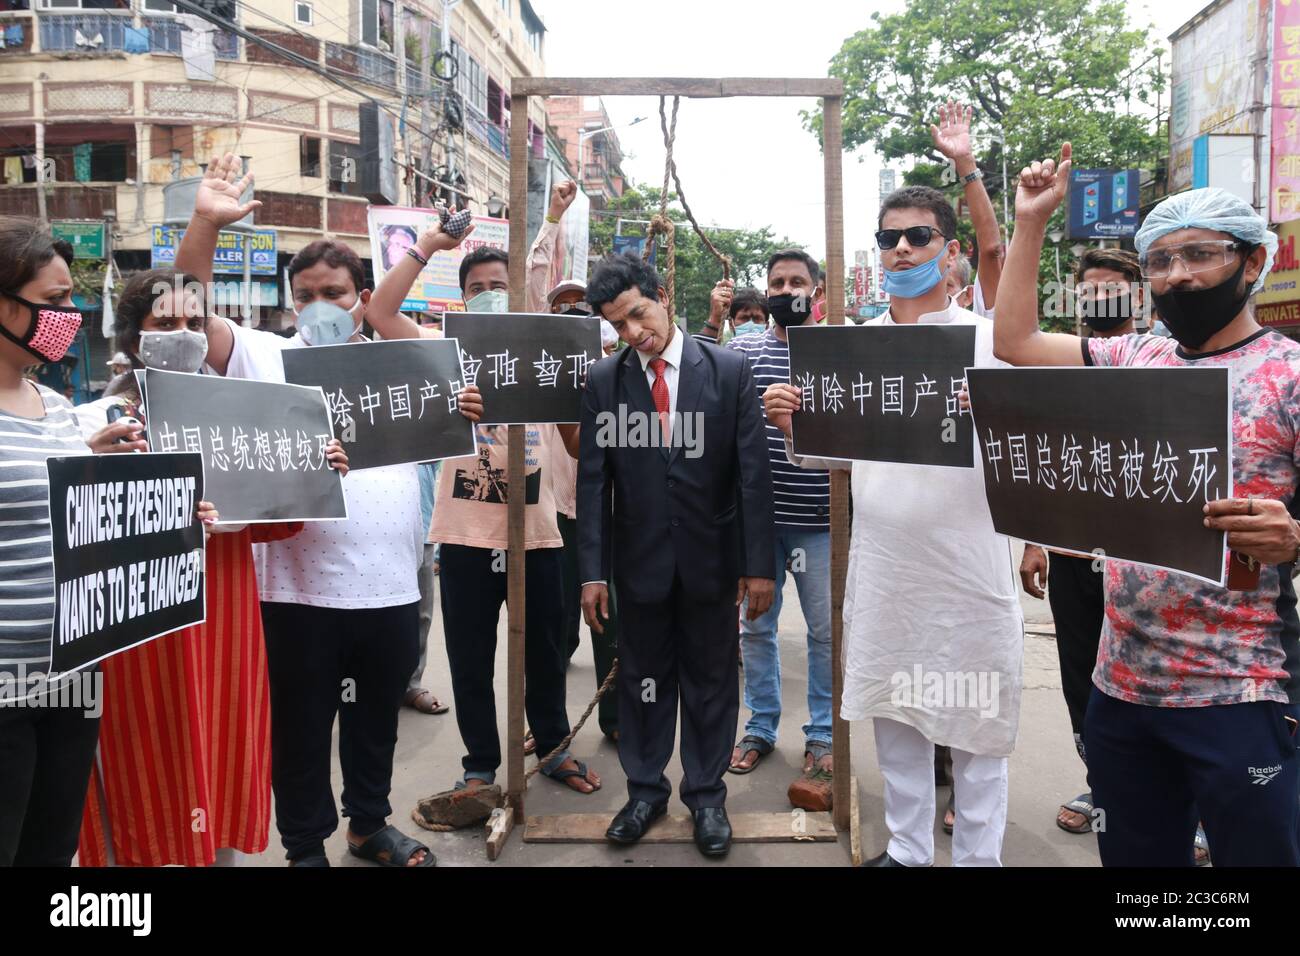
x: 832, y: 154
x: 515, y: 472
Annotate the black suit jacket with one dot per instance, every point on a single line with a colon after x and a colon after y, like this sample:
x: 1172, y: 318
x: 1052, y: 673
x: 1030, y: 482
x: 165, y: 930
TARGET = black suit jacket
x: 650, y: 513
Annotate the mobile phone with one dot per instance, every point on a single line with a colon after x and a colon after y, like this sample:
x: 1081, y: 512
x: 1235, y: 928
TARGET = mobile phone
x: 128, y: 415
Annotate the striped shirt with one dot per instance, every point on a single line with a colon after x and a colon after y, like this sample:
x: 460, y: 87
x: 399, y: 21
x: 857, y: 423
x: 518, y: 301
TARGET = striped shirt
x: 801, y: 497
x: 26, y: 553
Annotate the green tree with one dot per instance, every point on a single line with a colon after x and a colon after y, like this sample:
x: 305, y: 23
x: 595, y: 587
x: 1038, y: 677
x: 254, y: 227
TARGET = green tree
x: 1041, y: 73
x: 697, y: 270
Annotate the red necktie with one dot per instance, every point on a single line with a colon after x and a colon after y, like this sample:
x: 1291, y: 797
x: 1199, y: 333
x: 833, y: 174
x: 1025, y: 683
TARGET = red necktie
x: 660, y: 392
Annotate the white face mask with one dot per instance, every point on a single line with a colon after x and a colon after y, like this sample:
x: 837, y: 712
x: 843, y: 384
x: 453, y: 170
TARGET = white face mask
x: 493, y: 300
x: 324, y: 323
x: 178, y: 351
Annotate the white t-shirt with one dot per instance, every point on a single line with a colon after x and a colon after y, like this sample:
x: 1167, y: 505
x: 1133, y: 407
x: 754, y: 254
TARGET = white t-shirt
x: 370, y: 560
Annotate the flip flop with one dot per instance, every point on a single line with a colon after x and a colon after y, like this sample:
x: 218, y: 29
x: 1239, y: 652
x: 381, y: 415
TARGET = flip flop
x: 399, y: 847
x: 751, y: 744
x: 1201, y: 842
x: 1082, y: 804
x: 413, y: 699
x: 530, y: 744
x: 562, y: 775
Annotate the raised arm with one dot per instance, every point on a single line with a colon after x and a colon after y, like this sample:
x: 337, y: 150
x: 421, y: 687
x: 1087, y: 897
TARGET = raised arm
x: 216, y: 206
x: 383, y: 311
x: 1017, y: 339
x: 537, y: 268
x: 952, y: 138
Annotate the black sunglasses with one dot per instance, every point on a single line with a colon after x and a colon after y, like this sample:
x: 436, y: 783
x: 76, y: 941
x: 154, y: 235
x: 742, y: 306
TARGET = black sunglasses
x: 917, y: 236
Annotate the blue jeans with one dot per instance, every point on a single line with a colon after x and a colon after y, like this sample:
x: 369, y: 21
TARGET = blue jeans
x: 809, y: 553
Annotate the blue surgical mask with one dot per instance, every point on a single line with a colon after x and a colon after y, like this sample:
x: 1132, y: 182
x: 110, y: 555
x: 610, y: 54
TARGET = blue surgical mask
x: 493, y: 300
x: 324, y: 323
x: 915, y: 282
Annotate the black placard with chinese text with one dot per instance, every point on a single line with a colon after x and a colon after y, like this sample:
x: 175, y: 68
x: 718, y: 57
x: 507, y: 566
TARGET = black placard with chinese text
x: 529, y: 368
x: 391, y: 402
x: 128, y: 552
x: 883, y: 393
x: 1116, y: 461
x: 263, y: 443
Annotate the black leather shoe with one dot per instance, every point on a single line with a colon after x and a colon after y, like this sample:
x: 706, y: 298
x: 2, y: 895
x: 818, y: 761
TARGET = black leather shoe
x: 883, y: 860
x: 631, y: 823
x: 712, y: 831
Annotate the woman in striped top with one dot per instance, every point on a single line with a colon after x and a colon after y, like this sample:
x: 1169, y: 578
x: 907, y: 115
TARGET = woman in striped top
x: 47, y: 728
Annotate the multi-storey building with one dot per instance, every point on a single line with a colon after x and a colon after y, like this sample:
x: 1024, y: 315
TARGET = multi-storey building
x: 590, y: 145
x: 110, y: 100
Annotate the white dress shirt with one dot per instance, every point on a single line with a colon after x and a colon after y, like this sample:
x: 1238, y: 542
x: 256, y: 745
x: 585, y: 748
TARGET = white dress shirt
x: 672, y: 354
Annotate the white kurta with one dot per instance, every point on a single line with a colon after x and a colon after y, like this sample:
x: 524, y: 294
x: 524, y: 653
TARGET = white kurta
x: 933, y: 634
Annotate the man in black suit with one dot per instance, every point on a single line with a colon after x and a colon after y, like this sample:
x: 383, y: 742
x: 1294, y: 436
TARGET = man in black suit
x: 675, y: 498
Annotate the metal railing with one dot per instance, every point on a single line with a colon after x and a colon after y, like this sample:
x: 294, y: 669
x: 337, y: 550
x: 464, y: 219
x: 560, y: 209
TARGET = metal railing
x: 368, y: 65
x: 165, y: 37
x: 488, y: 133
x: 84, y: 33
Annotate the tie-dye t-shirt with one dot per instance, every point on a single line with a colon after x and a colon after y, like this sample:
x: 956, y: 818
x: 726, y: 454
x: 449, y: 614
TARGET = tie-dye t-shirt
x: 1170, y: 640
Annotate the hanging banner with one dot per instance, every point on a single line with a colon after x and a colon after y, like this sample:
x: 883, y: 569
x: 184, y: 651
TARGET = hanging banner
x: 1126, y: 478
x: 391, y: 402
x: 882, y: 393
x: 128, y: 552
x: 394, y: 229
x: 263, y: 443
x: 1284, y: 185
x: 529, y: 368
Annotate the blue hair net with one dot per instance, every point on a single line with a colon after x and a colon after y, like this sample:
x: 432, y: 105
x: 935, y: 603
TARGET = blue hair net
x: 1215, y: 209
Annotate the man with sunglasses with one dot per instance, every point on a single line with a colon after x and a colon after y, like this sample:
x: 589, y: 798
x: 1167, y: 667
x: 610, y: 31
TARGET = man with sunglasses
x: 1194, y: 704
x: 930, y: 585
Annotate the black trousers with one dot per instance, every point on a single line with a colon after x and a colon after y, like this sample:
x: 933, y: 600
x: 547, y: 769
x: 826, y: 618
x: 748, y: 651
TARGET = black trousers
x: 604, y: 647
x: 46, y: 754
x: 1154, y: 770
x: 324, y: 662
x: 685, y: 648
x: 472, y: 585
x: 1078, y: 602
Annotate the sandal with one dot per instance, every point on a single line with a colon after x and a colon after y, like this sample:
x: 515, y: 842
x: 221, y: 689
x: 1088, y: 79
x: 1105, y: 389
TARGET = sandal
x: 530, y: 744
x: 561, y: 775
x: 434, y: 706
x: 1199, y: 845
x: 316, y: 859
x: 950, y: 808
x: 750, y: 744
x: 1082, y: 804
x: 397, y: 845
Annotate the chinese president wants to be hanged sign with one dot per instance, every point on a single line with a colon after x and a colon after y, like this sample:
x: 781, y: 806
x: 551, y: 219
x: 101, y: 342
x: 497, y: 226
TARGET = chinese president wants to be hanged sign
x: 128, y: 552
x: 1116, y: 462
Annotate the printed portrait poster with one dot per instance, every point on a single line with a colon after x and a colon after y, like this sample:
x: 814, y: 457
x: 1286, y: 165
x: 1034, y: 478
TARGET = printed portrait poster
x: 394, y: 229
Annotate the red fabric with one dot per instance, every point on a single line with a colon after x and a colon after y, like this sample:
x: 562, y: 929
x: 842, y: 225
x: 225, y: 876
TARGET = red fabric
x: 659, y: 390
x: 185, y: 738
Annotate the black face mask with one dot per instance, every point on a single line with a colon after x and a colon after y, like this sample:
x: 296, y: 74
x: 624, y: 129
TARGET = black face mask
x: 1104, y: 314
x: 1194, y: 315
x: 788, y: 309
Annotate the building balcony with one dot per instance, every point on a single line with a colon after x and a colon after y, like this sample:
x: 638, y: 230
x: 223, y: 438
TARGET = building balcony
x: 85, y: 33
x: 370, y: 66
x: 165, y: 38
x: 488, y: 133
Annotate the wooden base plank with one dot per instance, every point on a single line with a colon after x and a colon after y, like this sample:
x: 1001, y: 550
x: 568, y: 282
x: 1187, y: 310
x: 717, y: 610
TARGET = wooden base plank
x: 498, y: 829
x: 793, y: 827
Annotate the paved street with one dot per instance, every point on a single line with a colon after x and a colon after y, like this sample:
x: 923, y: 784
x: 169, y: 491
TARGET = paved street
x: 1045, y: 771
